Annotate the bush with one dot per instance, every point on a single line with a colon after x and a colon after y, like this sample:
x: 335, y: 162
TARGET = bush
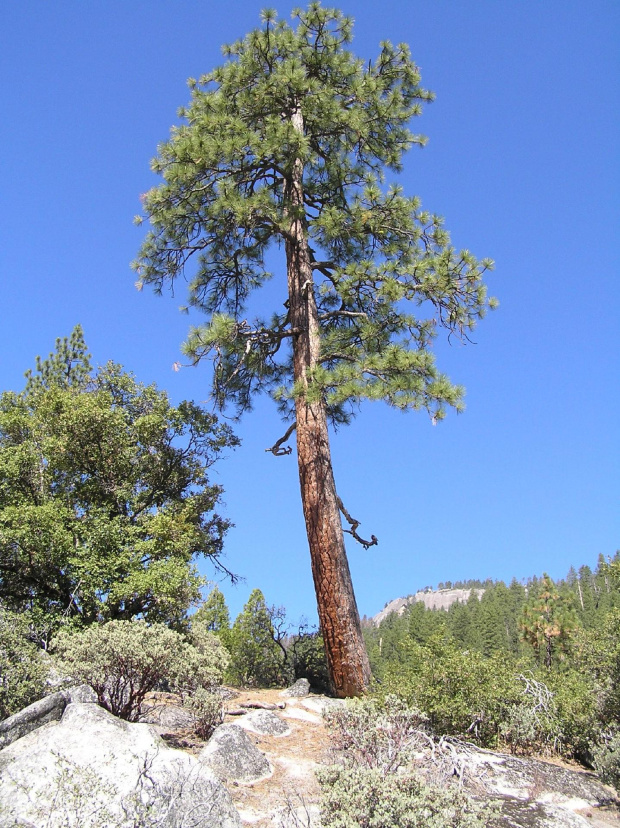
x: 578, y: 712
x: 462, y: 692
x: 374, y: 734
x: 208, y: 709
x: 308, y: 656
x: 365, y: 798
x: 373, y: 787
x: 208, y: 660
x: 533, y: 724
x: 124, y: 660
x: 22, y: 670
x: 606, y: 757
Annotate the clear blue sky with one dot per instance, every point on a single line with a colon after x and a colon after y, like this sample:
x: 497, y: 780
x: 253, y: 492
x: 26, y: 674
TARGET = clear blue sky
x: 523, y: 162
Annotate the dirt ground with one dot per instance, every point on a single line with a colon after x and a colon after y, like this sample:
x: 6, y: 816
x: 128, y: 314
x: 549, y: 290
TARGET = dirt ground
x: 293, y: 759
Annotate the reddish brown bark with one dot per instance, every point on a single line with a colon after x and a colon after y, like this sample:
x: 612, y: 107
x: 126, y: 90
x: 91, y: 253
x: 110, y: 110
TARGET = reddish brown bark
x: 338, y: 615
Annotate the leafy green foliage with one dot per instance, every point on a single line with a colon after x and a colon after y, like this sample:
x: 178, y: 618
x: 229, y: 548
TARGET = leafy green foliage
x: 374, y: 786
x: 462, y: 692
x: 307, y: 653
x: 105, y: 500
x: 364, y: 798
x: 599, y: 656
x: 124, y: 660
x: 470, y: 669
x: 256, y: 658
x: 22, y: 669
x: 607, y: 760
x: 208, y: 709
x: 213, y: 613
x: 290, y: 98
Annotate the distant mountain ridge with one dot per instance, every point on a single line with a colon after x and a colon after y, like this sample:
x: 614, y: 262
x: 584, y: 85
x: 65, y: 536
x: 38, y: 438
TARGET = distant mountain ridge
x: 432, y: 599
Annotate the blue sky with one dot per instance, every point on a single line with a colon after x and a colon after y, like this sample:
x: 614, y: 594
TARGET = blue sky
x: 523, y: 162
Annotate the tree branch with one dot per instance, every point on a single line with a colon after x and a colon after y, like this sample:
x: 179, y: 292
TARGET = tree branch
x: 353, y: 530
x: 277, y: 449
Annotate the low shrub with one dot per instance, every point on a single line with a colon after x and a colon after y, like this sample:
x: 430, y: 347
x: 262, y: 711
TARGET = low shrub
x: 462, y: 692
x: 124, y: 660
x: 578, y: 713
x: 377, y: 734
x: 373, y: 785
x: 606, y: 760
x: 356, y: 797
x: 208, y: 660
x: 208, y: 709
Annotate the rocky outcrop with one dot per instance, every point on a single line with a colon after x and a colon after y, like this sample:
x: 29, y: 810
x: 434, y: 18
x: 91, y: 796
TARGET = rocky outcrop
x: 48, y: 709
x: 432, y: 599
x: 298, y: 690
x: 168, y: 718
x: 92, y: 768
x: 232, y: 755
x: 533, y: 793
x: 264, y: 722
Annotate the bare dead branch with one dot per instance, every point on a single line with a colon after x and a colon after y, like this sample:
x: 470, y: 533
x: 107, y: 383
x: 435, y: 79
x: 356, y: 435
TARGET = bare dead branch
x: 278, y: 449
x: 258, y: 705
x: 353, y: 530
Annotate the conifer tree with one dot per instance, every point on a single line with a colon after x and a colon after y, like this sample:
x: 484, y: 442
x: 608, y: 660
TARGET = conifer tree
x: 256, y: 658
x: 285, y: 145
x: 213, y: 613
x: 547, y: 622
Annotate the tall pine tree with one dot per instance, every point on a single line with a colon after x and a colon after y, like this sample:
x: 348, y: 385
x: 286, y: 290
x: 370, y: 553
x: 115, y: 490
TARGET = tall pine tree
x: 286, y: 145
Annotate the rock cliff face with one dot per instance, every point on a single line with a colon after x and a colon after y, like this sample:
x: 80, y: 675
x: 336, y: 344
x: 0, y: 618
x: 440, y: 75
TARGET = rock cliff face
x: 436, y: 599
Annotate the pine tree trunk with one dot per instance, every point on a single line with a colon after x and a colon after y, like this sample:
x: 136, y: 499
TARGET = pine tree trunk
x: 338, y: 615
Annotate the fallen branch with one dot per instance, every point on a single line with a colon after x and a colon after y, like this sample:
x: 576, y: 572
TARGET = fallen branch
x: 256, y: 705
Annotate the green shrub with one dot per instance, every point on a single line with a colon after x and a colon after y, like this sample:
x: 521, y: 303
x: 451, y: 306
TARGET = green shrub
x: 22, y: 670
x: 308, y: 656
x: 208, y: 660
x: 578, y: 713
x: 375, y: 734
x: 606, y: 757
x: 462, y: 692
x: 208, y: 709
x: 124, y: 660
x: 365, y: 798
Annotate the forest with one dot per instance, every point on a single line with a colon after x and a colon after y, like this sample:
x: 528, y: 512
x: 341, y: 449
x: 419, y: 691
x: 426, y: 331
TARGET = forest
x: 532, y: 666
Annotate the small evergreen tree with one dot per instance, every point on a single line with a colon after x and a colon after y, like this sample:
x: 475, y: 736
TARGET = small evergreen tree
x: 213, y: 613
x: 256, y: 658
x: 547, y: 622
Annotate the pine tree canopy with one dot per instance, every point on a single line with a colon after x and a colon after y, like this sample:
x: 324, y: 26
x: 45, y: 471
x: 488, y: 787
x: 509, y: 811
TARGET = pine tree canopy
x: 386, y: 276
